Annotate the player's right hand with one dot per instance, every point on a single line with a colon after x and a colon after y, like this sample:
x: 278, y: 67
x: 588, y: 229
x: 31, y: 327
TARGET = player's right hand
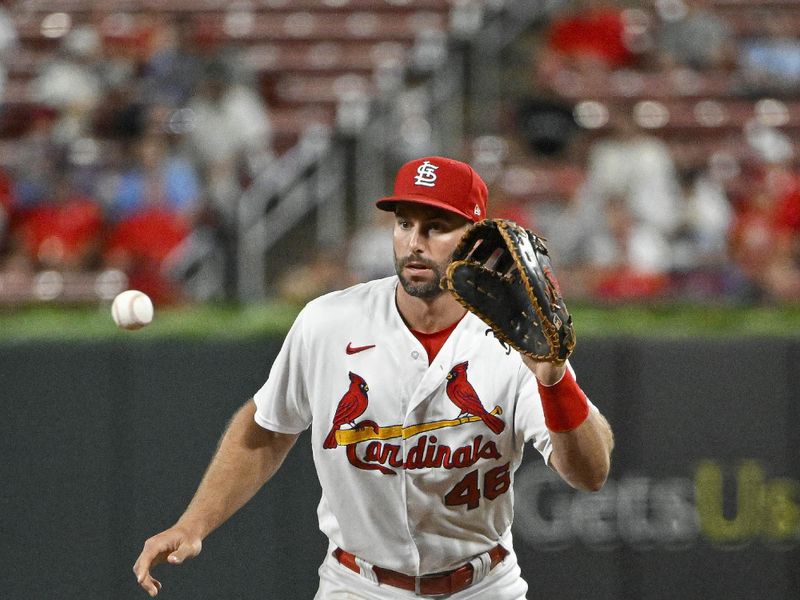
x: 173, y: 546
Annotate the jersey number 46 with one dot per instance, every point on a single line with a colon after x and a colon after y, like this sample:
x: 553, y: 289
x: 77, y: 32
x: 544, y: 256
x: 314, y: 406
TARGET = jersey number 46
x: 467, y: 491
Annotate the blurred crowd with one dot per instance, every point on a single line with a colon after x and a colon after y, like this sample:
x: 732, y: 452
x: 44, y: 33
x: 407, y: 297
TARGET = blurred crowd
x: 140, y: 131
x: 646, y: 207
x: 146, y: 129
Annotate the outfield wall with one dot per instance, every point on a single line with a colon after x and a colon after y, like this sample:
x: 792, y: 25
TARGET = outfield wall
x: 103, y: 444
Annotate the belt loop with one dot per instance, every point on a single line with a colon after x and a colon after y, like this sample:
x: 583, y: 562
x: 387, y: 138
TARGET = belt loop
x: 481, y: 565
x: 367, y: 572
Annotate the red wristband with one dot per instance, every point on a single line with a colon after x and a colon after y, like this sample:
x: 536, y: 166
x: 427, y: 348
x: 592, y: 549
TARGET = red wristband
x: 564, y: 404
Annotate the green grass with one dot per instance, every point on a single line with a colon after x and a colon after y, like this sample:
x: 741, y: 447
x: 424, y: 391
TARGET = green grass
x: 199, y: 321
x: 229, y: 322
x: 682, y: 320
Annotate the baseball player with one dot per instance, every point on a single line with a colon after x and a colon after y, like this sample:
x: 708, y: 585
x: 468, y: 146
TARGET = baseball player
x: 418, y: 418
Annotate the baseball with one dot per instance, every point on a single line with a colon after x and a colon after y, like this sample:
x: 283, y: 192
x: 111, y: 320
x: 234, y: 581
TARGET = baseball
x: 132, y: 309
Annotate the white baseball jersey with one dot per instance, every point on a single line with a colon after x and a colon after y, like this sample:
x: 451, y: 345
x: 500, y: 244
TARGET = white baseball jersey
x: 417, y: 470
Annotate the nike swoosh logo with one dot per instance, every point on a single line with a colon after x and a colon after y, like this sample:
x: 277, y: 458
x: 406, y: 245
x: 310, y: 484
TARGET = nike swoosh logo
x: 355, y: 349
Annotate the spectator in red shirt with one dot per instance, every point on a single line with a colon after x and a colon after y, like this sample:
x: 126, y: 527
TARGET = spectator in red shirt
x: 765, y: 237
x: 63, y: 232
x: 589, y: 37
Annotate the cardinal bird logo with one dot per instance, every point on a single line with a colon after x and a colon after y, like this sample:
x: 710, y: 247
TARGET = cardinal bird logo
x: 351, y: 406
x: 462, y: 394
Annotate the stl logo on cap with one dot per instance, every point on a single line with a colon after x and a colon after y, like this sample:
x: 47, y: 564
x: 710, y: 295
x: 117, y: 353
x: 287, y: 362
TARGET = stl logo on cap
x: 442, y: 183
x: 426, y: 174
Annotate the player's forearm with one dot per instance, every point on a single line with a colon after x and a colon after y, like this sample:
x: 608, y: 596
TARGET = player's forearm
x: 583, y: 456
x: 246, y: 459
x: 582, y: 438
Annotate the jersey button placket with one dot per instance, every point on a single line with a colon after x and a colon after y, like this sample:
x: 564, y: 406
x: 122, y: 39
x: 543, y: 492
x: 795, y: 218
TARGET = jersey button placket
x: 405, y: 483
x: 406, y: 445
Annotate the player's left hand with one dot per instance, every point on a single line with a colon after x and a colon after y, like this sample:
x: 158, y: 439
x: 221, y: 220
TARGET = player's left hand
x: 502, y: 273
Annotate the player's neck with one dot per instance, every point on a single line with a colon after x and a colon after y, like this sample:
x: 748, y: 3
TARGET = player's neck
x: 428, y: 315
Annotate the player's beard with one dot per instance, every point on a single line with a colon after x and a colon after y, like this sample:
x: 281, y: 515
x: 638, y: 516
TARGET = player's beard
x: 423, y: 289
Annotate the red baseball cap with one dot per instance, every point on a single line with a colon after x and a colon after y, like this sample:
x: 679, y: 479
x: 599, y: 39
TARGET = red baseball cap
x: 441, y: 182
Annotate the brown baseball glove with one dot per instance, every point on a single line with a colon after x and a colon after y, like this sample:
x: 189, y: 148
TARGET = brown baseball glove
x: 502, y: 273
